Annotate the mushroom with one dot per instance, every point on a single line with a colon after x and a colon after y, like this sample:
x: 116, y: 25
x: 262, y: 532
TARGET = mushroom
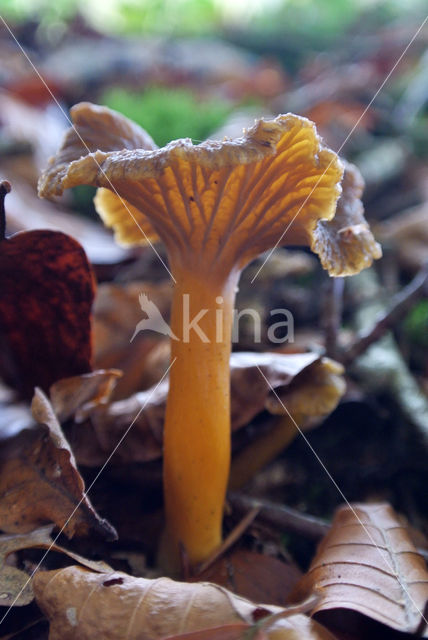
x: 215, y: 206
x: 312, y: 394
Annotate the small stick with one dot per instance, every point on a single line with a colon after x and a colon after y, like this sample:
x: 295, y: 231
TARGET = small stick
x: 401, y: 303
x: 233, y: 536
x: 4, y: 190
x: 332, y: 320
x: 285, y: 518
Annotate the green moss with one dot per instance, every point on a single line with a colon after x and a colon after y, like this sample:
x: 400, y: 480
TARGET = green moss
x: 416, y: 324
x: 168, y: 114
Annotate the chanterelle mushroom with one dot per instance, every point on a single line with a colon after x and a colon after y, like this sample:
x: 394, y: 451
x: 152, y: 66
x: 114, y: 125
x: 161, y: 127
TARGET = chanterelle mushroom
x: 215, y: 206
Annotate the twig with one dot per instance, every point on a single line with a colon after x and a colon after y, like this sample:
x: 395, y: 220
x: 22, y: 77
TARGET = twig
x: 233, y: 536
x: 332, y: 314
x: 381, y: 368
x: 19, y: 631
x: 281, y: 517
x: 400, y: 304
x: 4, y: 190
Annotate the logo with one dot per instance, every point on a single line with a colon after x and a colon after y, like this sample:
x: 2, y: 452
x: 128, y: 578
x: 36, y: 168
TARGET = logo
x: 276, y: 333
x: 154, y: 320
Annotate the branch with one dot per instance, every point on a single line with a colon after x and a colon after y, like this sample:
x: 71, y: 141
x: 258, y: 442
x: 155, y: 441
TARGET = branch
x: 281, y: 517
x: 400, y: 305
x: 4, y: 190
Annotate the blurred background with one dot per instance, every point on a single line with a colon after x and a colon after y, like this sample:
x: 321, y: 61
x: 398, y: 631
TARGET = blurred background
x: 199, y: 68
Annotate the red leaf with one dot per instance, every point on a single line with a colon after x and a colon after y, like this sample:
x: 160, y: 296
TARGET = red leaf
x: 46, y: 294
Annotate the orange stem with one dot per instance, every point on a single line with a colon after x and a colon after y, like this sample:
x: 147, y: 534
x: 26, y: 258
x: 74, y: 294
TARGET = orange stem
x: 262, y: 451
x: 197, y: 422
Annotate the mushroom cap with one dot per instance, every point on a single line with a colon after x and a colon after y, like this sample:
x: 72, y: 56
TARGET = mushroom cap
x: 228, y: 200
x: 314, y: 392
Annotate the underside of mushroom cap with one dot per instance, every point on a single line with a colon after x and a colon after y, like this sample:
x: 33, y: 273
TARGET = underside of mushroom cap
x: 227, y: 201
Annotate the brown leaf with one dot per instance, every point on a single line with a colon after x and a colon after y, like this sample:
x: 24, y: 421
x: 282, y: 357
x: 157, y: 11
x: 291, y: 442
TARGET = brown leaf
x: 294, y: 627
x: 79, y: 394
x: 255, y: 576
x: 367, y: 563
x: 407, y: 234
x: 86, y: 606
x: 72, y: 599
x: 116, y: 314
x: 15, y: 585
x: 46, y: 294
x: 96, y: 241
x: 225, y: 632
x: 39, y: 481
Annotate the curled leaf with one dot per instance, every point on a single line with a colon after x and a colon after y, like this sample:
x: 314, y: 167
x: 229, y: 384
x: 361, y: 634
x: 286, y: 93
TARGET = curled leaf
x: 39, y: 481
x: 80, y: 394
x: 72, y: 599
x: 15, y: 585
x: 367, y: 563
x: 81, y: 605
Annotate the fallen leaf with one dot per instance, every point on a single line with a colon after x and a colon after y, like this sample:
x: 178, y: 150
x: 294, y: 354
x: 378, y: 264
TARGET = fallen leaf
x: 407, y: 234
x: 80, y: 394
x: 39, y: 481
x: 117, y: 312
x: 225, y: 632
x: 96, y: 241
x: 46, y: 294
x: 255, y: 576
x: 41, y: 128
x: 81, y: 605
x: 367, y: 563
x: 73, y: 598
x: 294, y: 627
x: 15, y: 584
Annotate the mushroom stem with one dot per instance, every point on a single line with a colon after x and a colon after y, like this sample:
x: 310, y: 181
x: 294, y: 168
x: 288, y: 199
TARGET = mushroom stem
x: 197, y: 423
x: 262, y: 451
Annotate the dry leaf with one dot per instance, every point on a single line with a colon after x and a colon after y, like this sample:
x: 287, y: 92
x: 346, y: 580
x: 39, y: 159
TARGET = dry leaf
x: 367, y: 563
x: 81, y: 605
x: 255, y: 576
x: 407, y: 233
x: 79, y: 394
x: 15, y: 585
x: 225, y: 632
x: 116, y: 314
x: 73, y: 598
x: 39, y: 481
x: 96, y: 241
x: 293, y: 627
